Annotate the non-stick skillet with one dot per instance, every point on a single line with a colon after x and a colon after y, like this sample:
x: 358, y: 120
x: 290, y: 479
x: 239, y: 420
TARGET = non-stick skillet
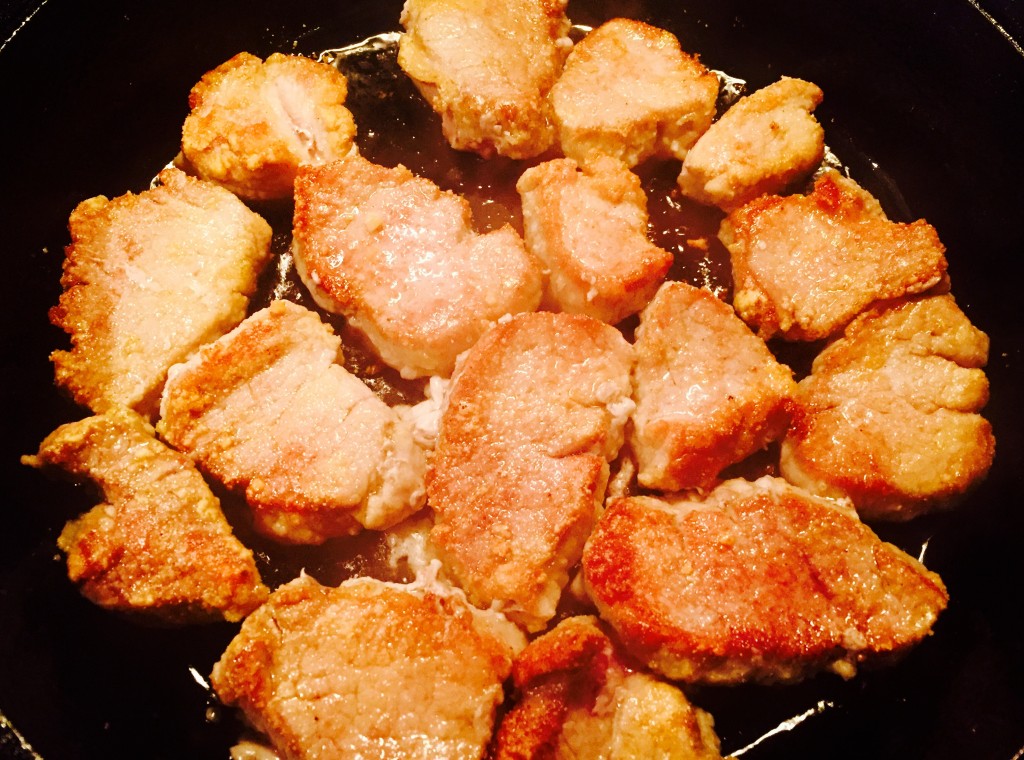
x: 923, y: 102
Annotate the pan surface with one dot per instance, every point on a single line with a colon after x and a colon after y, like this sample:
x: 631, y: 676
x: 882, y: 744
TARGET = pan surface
x: 922, y: 102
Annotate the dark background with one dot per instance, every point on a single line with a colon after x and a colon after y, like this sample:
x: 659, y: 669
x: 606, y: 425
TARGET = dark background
x: 923, y: 99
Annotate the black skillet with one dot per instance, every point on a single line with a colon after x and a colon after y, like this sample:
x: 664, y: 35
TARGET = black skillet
x: 923, y: 102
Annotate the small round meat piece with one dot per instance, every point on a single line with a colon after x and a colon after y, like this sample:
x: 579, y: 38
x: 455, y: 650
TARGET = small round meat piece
x: 369, y: 670
x: 580, y: 697
x: 254, y: 123
x: 767, y: 583
x: 765, y: 142
x: 630, y: 92
x: 159, y: 545
x: 709, y: 393
x: 487, y: 66
x: 589, y: 228
x: 889, y: 416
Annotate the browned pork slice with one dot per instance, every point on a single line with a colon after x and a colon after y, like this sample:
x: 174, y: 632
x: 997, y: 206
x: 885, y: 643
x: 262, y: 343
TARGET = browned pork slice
x: 889, y: 416
x: 399, y: 258
x: 766, y: 141
x: 149, y: 278
x: 708, y: 391
x: 369, y: 670
x: 805, y: 265
x: 759, y: 581
x: 628, y: 91
x: 589, y: 229
x: 268, y: 411
x: 534, y: 414
x: 158, y: 544
x: 487, y: 67
x: 253, y: 123
x: 580, y: 697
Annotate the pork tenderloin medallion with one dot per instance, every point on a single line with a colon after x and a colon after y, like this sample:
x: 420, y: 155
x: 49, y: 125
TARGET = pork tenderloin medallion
x: 758, y: 581
x: 253, y: 123
x: 267, y: 410
x: 533, y: 416
x: 158, y: 545
x: 149, y: 278
x: 708, y: 391
x: 805, y: 265
x: 399, y: 259
x: 890, y: 415
x: 370, y: 670
x: 487, y: 67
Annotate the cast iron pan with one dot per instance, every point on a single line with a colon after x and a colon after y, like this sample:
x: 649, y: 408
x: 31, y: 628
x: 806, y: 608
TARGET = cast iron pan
x: 922, y: 102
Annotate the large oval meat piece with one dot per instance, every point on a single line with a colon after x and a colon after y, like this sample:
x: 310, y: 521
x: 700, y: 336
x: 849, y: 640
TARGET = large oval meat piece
x: 534, y: 414
x: 757, y: 581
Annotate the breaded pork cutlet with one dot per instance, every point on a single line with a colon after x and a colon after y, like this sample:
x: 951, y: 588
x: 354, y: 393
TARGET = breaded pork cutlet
x: 399, y: 258
x: 708, y: 391
x: 269, y: 411
x: 580, y: 697
x: 805, y: 265
x: 764, y: 143
x: 369, y: 670
x: 158, y: 545
x: 889, y: 416
x: 487, y: 67
x: 149, y: 278
x: 629, y: 91
x: 759, y: 581
x: 534, y: 414
x: 253, y: 123
x: 589, y: 229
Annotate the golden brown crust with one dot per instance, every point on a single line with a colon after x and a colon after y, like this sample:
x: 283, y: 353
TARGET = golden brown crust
x: 159, y: 545
x: 889, y: 416
x: 709, y: 392
x: 369, y: 669
x: 763, y: 144
x: 630, y: 92
x: 148, y: 278
x: 770, y: 584
x: 487, y: 66
x: 580, y: 697
x: 533, y: 416
x: 253, y: 123
x: 841, y: 234
x: 589, y: 228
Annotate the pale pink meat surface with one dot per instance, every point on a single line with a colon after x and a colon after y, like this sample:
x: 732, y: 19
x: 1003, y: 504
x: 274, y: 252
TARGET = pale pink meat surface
x: 630, y: 92
x: 589, y: 229
x: 399, y: 258
x: 149, y: 278
x: 268, y: 411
